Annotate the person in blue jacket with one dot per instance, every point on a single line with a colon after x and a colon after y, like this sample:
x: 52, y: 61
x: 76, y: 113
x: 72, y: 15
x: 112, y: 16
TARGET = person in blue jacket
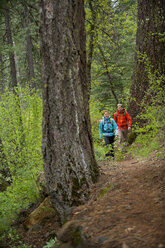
x: 109, y: 130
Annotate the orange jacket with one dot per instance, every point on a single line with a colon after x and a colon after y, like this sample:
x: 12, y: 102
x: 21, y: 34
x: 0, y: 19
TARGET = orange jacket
x: 123, y: 119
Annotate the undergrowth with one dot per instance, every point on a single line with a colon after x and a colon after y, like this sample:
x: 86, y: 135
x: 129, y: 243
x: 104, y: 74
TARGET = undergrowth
x: 20, y: 152
x: 147, y: 146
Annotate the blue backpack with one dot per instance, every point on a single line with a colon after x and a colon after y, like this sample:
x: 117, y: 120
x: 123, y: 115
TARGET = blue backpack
x: 111, y: 124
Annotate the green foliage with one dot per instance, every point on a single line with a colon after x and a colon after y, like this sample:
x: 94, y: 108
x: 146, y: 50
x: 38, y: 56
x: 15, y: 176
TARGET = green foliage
x: 153, y: 115
x: 50, y: 243
x: 20, y: 132
x: 150, y: 135
x: 147, y: 146
x: 114, y: 43
x: 19, y: 32
x: 13, y: 240
x: 119, y: 154
x: 96, y: 116
x: 153, y: 102
x: 18, y: 195
x: 21, y: 246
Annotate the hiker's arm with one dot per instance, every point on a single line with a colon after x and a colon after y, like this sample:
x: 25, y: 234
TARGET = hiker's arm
x: 129, y: 120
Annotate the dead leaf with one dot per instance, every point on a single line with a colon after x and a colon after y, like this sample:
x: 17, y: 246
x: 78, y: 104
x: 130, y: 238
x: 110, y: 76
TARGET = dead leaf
x: 124, y: 245
x: 129, y: 229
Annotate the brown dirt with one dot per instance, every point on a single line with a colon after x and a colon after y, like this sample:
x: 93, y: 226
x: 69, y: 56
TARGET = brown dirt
x: 126, y: 208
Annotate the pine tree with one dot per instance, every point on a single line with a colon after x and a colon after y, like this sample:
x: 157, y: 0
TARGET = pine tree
x: 69, y: 163
x: 149, y: 49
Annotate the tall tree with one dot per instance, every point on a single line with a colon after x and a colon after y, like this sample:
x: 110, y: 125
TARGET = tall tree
x: 150, y: 45
x: 105, y: 64
x: 10, y: 42
x: 69, y: 163
x: 29, y: 44
x: 92, y: 36
x: 113, y: 28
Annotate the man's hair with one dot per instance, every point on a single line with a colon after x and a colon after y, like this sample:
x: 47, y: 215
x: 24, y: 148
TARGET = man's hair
x: 106, y: 111
x: 119, y: 105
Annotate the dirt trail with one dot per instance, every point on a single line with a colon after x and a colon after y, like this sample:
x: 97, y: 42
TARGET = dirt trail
x: 130, y: 211
x: 126, y: 208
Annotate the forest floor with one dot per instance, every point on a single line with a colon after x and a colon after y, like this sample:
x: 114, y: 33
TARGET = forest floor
x: 126, y: 208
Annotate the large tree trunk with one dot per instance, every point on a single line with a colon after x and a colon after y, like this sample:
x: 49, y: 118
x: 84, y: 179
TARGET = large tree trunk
x: 151, y: 26
x: 10, y: 42
x: 29, y: 45
x: 69, y: 163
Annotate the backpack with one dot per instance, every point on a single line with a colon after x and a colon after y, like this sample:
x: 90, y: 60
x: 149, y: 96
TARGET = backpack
x: 124, y: 115
x: 111, y: 124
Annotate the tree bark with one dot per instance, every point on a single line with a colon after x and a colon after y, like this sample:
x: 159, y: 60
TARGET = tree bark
x: 69, y: 163
x: 29, y: 45
x: 10, y: 42
x: 16, y: 63
x: 151, y: 26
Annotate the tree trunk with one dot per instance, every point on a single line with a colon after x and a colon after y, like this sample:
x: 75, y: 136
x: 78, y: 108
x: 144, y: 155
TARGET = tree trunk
x: 151, y: 26
x: 10, y: 42
x: 69, y: 163
x: 91, y: 43
x: 16, y: 63
x: 14, y: 74
x: 2, y: 87
x: 29, y: 45
x: 105, y: 64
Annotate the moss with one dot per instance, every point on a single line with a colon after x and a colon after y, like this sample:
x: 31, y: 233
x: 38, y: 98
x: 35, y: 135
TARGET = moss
x: 94, y: 170
x: 76, y: 238
x: 104, y: 191
x: 131, y: 138
x: 76, y: 184
x: 95, y: 174
x: 83, y: 181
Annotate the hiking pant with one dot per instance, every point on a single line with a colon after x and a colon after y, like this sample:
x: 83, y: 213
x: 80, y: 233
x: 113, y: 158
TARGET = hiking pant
x: 109, y: 141
x: 122, y: 135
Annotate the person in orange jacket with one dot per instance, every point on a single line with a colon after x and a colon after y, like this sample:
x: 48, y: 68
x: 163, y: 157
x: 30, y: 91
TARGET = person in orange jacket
x: 124, y: 122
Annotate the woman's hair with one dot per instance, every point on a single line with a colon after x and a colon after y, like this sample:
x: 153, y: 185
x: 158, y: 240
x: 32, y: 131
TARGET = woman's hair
x: 106, y: 111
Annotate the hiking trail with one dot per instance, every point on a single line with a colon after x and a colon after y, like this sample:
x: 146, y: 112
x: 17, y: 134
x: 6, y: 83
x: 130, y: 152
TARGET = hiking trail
x: 126, y: 208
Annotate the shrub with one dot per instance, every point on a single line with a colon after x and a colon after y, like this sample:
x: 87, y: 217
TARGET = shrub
x: 20, y: 133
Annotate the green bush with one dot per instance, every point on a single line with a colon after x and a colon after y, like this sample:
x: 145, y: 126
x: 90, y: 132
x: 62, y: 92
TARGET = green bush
x: 13, y: 240
x: 20, y: 133
x: 50, y: 243
x: 150, y: 135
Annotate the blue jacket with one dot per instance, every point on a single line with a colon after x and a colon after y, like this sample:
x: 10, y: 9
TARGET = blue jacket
x: 106, y: 128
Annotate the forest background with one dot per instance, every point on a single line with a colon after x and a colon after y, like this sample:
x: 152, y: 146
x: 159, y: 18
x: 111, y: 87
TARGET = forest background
x: 111, y: 28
